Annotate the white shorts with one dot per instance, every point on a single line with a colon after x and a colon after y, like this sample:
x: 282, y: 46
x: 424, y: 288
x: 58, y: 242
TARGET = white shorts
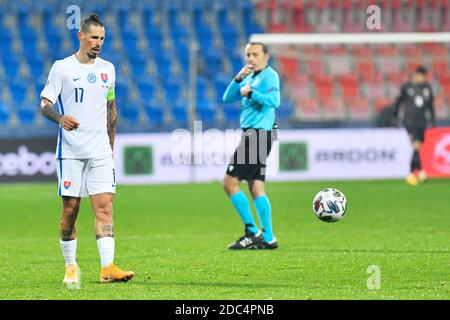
x: 86, y: 177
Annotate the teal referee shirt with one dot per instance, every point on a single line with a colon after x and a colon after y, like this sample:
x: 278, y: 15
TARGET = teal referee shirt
x: 258, y: 111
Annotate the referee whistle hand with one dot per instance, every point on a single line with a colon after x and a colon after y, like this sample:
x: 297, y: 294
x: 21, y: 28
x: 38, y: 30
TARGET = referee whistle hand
x: 245, y: 90
x: 245, y: 71
x: 69, y: 123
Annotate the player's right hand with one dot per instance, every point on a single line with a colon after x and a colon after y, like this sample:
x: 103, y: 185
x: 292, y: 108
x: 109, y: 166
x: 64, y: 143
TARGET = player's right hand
x: 245, y: 71
x: 69, y: 123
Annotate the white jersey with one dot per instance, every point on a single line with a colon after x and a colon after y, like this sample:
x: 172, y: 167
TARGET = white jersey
x: 80, y: 90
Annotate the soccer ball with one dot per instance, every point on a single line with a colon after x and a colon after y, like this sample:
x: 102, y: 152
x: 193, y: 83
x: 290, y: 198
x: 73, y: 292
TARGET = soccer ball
x: 329, y: 205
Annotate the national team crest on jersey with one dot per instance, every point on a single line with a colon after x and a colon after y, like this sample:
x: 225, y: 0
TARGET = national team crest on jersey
x: 92, y: 77
x: 67, y: 184
x: 104, y: 77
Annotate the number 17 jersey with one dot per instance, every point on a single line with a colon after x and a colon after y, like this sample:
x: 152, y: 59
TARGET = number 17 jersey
x: 81, y: 91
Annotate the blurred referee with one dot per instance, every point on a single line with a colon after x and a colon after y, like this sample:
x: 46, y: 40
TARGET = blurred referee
x: 417, y: 98
x: 257, y: 85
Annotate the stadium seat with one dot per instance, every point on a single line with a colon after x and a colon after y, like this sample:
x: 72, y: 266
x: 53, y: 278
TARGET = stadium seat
x: 374, y: 86
x: 324, y: 86
x: 441, y: 107
x: 349, y: 85
x: 308, y: 109
x: 382, y: 102
x: 180, y: 114
x: 231, y: 112
x: 26, y: 113
x: 333, y: 109
x: 289, y: 66
x: 366, y: 69
x: 146, y: 90
x: 129, y: 113
x: 300, y: 86
x: 4, y: 114
x: 358, y: 108
x: 155, y: 114
x: 445, y: 84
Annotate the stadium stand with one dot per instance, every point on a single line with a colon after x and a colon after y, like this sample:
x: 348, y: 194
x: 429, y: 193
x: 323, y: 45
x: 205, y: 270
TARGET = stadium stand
x: 148, y: 41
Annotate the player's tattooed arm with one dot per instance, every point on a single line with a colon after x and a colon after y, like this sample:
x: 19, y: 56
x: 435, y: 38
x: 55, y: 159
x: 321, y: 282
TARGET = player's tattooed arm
x: 48, y: 111
x: 112, y: 121
x: 106, y: 230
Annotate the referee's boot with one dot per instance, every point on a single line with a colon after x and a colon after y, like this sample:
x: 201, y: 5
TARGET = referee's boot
x: 269, y: 245
x: 248, y: 241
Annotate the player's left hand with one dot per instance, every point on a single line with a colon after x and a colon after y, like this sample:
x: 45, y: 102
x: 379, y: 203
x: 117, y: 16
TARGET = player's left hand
x: 245, y: 90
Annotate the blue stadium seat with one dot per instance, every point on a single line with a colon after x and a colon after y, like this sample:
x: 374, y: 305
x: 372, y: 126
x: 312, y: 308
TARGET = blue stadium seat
x: 18, y: 92
x: 146, y: 90
x: 172, y: 91
x: 138, y: 64
x: 180, y: 113
x: 36, y: 68
x: 27, y: 113
x: 213, y: 61
x: 155, y: 113
x: 4, y: 114
x: 129, y: 112
x: 221, y: 82
x: 206, y: 112
x: 232, y: 113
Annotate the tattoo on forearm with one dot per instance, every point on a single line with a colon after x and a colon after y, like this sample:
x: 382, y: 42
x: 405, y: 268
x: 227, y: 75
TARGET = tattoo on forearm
x: 67, y: 234
x: 107, y: 230
x: 112, y: 121
x: 48, y: 111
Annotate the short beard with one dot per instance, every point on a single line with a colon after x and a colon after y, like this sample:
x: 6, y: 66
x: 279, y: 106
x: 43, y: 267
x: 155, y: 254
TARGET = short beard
x: 91, y: 56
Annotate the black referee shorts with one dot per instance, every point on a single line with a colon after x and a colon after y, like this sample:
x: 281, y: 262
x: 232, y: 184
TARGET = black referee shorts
x: 417, y: 133
x: 249, y: 159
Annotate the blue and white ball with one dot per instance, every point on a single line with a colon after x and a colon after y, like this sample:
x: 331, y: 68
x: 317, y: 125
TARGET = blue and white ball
x: 329, y: 205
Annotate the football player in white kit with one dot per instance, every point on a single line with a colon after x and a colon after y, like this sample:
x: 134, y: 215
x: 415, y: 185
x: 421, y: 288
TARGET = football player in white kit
x: 83, y: 86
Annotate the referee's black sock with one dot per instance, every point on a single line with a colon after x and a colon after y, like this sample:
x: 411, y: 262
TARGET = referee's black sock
x: 415, y: 162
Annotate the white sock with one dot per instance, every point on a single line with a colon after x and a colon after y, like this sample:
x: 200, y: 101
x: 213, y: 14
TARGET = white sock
x: 69, y: 251
x: 106, y: 250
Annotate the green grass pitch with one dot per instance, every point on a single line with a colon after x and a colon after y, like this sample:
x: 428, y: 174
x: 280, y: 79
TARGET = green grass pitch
x: 175, y: 238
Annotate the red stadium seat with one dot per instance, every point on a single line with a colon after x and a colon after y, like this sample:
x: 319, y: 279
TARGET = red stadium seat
x: 440, y: 67
x: 349, y: 85
x: 358, y: 108
x: 413, y: 51
x: 412, y: 65
x: 441, y: 107
x: 299, y: 19
x: 396, y: 79
x: 445, y: 84
x: 436, y: 50
x: 300, y: 86
x: 375, y: 86
x: 363, y: 52
x: 324, y: 86
x: 365, y: 69
x: 289, y: 66
x: 333, y: 109
x: 382, y: 102
x: 309, y: 109
x: 311, y: 51
x: 314, y: 67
